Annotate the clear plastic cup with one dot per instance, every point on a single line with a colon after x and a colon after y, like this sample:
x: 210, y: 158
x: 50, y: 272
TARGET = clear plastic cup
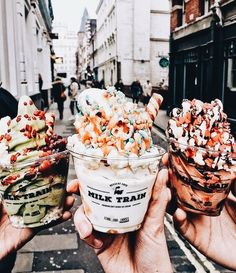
x: 200, y: 189
x: 33, y: 192
x: 115, y: 191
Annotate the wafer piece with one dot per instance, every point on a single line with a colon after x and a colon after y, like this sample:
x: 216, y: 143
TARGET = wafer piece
x: 154, y: 105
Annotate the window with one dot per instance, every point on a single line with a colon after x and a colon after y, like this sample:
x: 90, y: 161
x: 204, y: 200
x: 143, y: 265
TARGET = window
x: 230, y: 90
x: 204, y: 6
x: 183, y: 12
x: 231, y: 77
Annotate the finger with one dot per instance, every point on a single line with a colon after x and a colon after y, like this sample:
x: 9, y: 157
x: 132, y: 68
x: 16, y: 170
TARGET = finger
x: 163, y: 162
x: 160, y: 198
x: 165, y: 159
x: 85, y: 229
x: 69, y: 202
x: 93, y: 242
x: 160, y: 183
x: 172, y: 205
x: 82, y: 223
x: 73, y: 186
x: 180, y: 221
x: 66, y: 216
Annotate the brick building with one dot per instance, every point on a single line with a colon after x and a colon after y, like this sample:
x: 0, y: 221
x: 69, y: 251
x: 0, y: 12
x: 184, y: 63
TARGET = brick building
x: 203, y: 52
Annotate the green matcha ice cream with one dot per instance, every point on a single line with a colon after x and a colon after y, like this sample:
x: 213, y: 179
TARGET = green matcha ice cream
x: 33, y: 167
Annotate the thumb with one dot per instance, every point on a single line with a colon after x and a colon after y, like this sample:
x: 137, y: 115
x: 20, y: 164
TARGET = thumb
x: 85, y: 229
x: 160, y: 197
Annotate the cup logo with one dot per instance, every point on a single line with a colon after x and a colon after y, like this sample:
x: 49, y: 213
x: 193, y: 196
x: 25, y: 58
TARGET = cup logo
x: 118, y: 190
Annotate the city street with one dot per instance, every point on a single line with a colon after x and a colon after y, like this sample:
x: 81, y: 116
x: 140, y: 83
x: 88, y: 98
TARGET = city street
x: 183, y: 50
x: 60, y: 250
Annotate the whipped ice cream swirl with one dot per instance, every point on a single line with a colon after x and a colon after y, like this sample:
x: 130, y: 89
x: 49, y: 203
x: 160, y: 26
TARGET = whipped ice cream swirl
x: 28, y: 136
x: 109, y: 126
x: 201, y: 132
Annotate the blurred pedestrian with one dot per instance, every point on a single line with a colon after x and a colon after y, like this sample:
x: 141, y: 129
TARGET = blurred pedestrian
x: 136, y: 90
x: 44, y: 93
x: 58, y: 95
x: 8, y: 104
x: 102, y: 84
x: 147, y: 92
x: 119, y: 85
x: 161, y: 84
x: 73, y: 94
x: 96, y: 84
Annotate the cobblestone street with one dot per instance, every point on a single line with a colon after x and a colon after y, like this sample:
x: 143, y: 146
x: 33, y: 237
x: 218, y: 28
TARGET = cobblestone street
x: 60, y: 250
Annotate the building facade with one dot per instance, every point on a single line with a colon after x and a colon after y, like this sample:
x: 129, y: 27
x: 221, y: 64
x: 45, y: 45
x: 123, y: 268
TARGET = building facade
x: 25, y: 46
x: 86, y: 51
x: 203, y: 52
x: 131, y: 41
x: 65, y: 48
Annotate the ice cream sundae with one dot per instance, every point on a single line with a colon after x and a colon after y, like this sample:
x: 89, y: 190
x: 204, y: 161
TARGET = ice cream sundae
x: 202, y: 156
x: 33, y: 166
x: 115, y: 158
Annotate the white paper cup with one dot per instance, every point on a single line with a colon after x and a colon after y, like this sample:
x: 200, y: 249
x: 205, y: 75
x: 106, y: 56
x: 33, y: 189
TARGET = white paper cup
x: 33, y: 192
x: 115, y: 193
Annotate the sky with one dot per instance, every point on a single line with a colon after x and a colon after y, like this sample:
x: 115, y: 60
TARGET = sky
x: 70, y: 12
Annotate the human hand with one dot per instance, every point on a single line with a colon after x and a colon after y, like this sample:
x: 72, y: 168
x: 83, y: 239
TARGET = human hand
x: 142, y: 251
x: 215, y: 237
x: 12, y: 239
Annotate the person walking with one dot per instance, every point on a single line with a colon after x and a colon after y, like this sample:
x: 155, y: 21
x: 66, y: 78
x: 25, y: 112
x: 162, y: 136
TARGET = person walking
x: 9, y: 104
x: 147, y: 92
x: 73, y: 93
x: 136, y: 90
x: 58, y: 95
x: 119, y: 85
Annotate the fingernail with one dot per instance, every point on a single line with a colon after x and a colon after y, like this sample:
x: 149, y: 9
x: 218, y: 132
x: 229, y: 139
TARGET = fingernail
x: 97, y: 243
x: 83, y: 230
x: 93, y: 242
x: 72, y: 185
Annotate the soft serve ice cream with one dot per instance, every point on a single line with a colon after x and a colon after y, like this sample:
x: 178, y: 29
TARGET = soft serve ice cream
x: 202, y: 155
x: 115, y: 159
x: 33, y: 166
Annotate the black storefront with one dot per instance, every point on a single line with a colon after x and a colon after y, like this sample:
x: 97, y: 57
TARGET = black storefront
x: 203, y: 66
